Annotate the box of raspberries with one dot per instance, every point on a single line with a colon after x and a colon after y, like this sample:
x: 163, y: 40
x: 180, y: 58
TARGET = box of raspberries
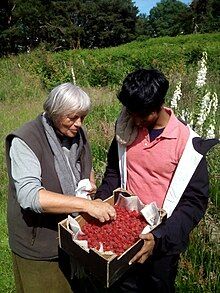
x: 105, y: 249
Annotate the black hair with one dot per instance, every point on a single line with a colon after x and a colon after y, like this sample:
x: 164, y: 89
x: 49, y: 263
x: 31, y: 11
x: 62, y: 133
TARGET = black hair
x: 143, y: 91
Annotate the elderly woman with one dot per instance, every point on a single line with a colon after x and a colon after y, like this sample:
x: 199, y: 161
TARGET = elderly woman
x: 46, y: 159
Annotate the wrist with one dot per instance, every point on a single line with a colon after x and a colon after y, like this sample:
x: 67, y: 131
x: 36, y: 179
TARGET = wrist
x: 82, y: 204
x: 157, y: 244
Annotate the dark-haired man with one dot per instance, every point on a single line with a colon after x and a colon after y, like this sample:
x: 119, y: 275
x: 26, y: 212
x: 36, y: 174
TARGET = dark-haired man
x: 161, y: 159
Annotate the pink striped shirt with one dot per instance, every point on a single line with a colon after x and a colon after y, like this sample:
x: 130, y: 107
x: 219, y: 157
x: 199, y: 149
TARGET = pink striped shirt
x: 151, y: 165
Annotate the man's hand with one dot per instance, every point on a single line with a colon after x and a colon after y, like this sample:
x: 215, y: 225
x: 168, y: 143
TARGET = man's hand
x: 91, y: 192
x: 146, y: 250
x: 100, y: 210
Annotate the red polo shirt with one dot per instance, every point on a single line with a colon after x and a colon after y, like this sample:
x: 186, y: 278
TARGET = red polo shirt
x: 151, y: 165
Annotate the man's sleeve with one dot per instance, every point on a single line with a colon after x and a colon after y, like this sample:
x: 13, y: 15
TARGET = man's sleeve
x: 173, y: 235
x: 111, y: 178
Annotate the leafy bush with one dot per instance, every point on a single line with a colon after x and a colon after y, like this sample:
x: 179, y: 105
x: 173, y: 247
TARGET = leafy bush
x: 108, y: 67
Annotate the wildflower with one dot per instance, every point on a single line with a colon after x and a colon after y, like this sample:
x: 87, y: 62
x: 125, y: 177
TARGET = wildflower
x: 211, y: 128
x: 214, y: 102
x: 73, y: 76
x: 211, y: 131
x: 187, y: 116
x: 201, y: 76
x: 205, y: 108
x: 176, y: 96
x: 184, y: 115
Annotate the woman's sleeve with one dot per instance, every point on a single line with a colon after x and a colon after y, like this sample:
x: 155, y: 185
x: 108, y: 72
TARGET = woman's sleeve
x: 111, y: 179
x: 26, y: 173
x: 173, y: 235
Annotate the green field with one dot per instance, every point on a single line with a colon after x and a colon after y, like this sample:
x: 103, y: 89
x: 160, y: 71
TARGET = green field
x: 26, y: 79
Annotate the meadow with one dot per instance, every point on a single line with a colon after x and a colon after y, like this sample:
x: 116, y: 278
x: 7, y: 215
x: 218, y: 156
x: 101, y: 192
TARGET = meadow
x: 26, y: 79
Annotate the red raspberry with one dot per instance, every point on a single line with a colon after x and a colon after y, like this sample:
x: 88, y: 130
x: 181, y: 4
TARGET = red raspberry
x: 116, y: 235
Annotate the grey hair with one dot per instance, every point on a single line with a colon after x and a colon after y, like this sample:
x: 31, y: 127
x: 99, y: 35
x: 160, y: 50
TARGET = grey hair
x: 66, y: 99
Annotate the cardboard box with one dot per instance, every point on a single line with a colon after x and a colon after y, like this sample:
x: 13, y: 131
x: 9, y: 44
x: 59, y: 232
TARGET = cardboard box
x: 106, y: 268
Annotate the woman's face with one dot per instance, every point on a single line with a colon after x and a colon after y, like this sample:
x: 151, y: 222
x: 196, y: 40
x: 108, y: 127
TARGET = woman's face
x: 70, y: 124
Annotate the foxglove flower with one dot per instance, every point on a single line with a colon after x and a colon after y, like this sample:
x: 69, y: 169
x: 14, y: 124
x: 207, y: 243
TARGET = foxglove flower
x: 73, y: 76
x: 176, y: 96
x: 211, y: 128
x: 211, y: 131
x: 214, y: 102
x: 205, y: 108
x: 201, y: 76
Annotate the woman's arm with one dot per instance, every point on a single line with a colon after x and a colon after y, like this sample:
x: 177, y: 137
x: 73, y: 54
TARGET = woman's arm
x: 52, y: 202
x: 26, y: 172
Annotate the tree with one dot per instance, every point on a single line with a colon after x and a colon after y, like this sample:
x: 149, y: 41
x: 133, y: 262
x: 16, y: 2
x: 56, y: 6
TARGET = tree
x: 41, y: 21
x: 6, y: 9
x: 66, y: 24
x: 143, y: 26
x: 170, y: 18
x: 206, y: 15
x: 107, y: 27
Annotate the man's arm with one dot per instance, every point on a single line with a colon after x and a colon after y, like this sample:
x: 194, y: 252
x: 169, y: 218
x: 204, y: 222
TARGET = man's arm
x: 111, y: 179
x: 172, y: 236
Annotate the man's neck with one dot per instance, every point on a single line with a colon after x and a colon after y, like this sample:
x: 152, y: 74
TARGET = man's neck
x: 163, y: 119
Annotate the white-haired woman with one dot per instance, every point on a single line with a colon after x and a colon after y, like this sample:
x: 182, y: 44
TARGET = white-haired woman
x: 46, y: 159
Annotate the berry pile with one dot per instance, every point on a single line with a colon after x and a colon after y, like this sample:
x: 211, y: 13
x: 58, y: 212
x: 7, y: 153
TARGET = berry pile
x: 116, y: 235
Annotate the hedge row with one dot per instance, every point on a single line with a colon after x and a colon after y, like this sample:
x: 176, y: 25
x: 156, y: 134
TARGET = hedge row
x: 107, y: 67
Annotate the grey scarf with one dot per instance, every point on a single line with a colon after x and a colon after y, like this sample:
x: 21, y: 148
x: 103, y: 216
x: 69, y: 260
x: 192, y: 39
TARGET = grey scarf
x: 126, y: 131
x: 68, y: 170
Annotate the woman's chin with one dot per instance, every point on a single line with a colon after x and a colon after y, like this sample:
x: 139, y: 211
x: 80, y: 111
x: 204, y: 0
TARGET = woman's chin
x: 71, y: 133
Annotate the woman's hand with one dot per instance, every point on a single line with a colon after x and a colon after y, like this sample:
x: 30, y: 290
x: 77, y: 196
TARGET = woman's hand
x: 100, y: 210
x: 146, y: 250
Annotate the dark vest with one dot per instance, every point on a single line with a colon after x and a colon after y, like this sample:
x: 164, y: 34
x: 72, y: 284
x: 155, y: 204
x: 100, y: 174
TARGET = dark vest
x: 34, y: 235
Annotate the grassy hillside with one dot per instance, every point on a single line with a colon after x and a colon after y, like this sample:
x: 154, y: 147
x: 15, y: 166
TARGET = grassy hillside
x: 107, y: 67
x: 26, y: 79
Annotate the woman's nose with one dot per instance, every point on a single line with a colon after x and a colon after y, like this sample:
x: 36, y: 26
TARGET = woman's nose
x: 78, y: 122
